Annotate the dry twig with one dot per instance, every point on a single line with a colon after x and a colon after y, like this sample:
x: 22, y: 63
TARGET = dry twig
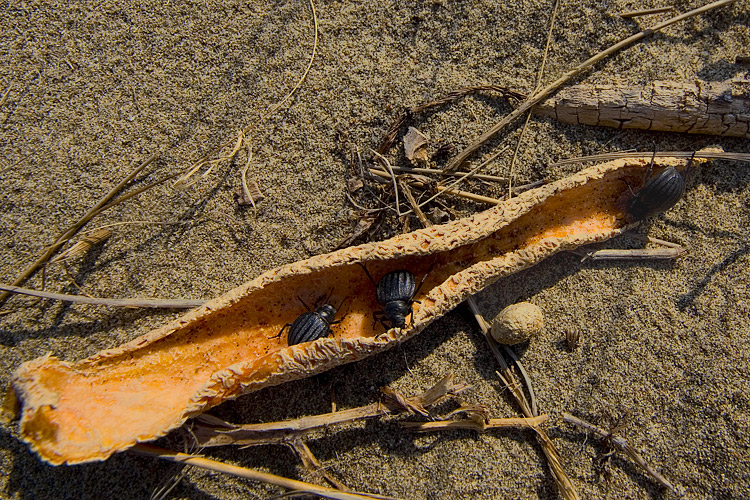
x: 536, y: 89
x: 103, y: 204
x: 282, y: 482
x: 538, y: 97
x: 390, y: 136
x: 81, y: 299
x: 476, y: 424
x: 210, y: 431
x: 622, y: 445
x: 668, y: 252
x: 697, y: 107
x: 687, y: 155
x: 564, y: 484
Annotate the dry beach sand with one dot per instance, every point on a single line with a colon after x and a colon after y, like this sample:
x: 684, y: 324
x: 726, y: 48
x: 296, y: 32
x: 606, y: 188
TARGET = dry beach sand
x: 97, y: 87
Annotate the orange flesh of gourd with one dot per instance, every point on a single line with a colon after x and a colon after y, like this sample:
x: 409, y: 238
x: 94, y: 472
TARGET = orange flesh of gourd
x: 105, y: 404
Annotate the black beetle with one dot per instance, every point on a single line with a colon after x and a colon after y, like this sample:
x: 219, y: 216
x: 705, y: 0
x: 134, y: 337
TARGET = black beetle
x: 311, y: 325
x: 395, y: 292
x: 658, y: 194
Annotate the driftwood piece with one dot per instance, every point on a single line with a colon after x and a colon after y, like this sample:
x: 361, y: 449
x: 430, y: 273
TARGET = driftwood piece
x: 715, y: 108
x: 87, y: 410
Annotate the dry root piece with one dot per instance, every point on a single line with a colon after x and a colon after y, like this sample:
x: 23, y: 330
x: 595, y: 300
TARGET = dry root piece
x: 716, y: 108
x: 87, y: 410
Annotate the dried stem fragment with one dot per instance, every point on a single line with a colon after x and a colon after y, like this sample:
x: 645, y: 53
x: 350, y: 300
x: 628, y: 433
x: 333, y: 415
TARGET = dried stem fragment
x: 622, y: 445
x: 210, y: 431
x: 82, y: 299
x: 711, y: 153
x: 547, y: 91
x: 313, y: 465
x: 84, y: 245
x: 102, y: 205
x: 475, y: 425
x: 282, y: 482
x: 563, y: 482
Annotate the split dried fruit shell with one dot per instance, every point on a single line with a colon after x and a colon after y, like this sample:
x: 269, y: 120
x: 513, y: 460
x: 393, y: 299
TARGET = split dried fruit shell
x: 87, y: 410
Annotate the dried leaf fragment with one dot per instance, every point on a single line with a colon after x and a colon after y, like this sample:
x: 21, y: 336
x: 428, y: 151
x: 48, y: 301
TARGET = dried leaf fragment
x: 84, y: 245
x: 415, y: 146
x: 354, y: 184
x: 249, y: 193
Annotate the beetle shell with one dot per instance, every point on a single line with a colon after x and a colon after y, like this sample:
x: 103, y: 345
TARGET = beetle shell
x: 394, y: 292
x: 658, y: 194
x: 312, y: 325
x: 396, y: 285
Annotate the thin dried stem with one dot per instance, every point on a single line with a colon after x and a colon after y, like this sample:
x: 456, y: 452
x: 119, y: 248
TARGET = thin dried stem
x: 622, y: 445
x: 249, y: 195
x: 414, y: 205
x: 4, y: 97
x: 70, y: 232
x: 687, y: 155
x: 538, y: 97
x: 450, y: 186
x: 393, y: 178
x: 86, y: 243
x: 405, y: 116
x: 563, y: 482
x: 264, y: 477
x: 635, y: 254
x: 536, y: 89
x: 670, y: 252
x: 434, y: 171
x: 455, y: 192
x: 313, y: 465
x: 476, y: 425
x: 210, y: 431
x: 81, y: 299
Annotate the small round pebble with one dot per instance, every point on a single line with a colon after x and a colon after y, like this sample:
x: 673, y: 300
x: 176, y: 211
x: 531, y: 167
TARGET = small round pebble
x: 517, y: 323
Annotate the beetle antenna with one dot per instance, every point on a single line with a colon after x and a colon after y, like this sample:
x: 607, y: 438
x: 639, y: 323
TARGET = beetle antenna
x: 303, y: 303
x: 342, y: 303
x: 432, y: 266
x: 650, y: 166
x: 367, y: 273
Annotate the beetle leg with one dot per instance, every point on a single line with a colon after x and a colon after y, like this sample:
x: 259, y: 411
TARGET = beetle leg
x: 378, y: 318
x: 278, y: 335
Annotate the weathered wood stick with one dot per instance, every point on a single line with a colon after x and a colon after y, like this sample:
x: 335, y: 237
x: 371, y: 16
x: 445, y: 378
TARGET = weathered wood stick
x: 715, y: 108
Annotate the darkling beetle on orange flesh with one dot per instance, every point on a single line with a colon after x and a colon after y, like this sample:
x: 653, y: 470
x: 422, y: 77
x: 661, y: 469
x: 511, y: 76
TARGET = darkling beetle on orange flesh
x: 658, y: 194
x: 395, y: 292
x: 311, y: 325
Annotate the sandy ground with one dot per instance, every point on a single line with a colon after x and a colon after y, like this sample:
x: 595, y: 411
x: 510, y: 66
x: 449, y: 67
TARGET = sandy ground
x: 96, y: 87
